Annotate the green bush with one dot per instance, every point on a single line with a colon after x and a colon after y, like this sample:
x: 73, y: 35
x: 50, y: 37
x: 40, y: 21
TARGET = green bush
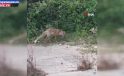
x: 63, y: 14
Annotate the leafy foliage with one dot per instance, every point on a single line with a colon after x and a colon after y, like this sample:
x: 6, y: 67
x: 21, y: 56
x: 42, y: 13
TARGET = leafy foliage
x: 62, y: 14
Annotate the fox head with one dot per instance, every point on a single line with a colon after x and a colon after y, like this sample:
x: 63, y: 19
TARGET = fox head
x: 62, y: 33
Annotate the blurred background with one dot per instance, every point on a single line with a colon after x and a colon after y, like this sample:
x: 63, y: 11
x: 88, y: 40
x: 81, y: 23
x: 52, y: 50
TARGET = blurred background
x: 110, y: 37
x: 13, y: 31
x: 110, y: 21
x: 13, y: 23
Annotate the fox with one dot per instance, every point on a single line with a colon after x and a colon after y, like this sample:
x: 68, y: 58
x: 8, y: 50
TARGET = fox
x: 50, y: 32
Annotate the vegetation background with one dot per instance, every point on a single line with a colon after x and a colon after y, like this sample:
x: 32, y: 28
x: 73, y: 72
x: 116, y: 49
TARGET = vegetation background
x: 63, y: 14
x: 109, y: 16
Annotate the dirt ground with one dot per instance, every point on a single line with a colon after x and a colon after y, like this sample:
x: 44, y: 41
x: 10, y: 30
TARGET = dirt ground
x: 56, y: 60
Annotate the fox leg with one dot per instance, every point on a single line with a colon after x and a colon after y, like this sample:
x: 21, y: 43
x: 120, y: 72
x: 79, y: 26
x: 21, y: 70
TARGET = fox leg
x: 55, y: 38
x: 48, y: 39
x: 45, y: 39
